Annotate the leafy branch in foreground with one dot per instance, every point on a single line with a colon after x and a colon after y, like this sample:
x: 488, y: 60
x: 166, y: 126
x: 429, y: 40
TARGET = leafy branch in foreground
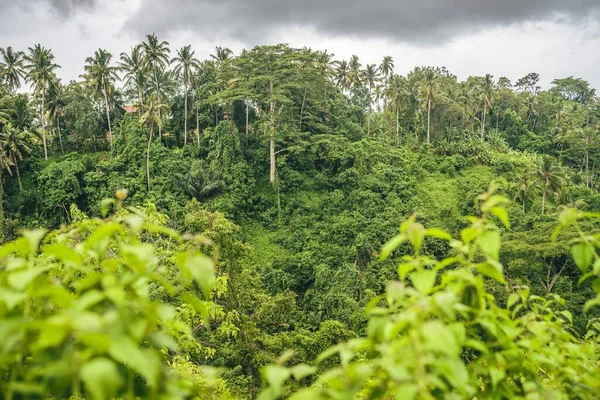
x: 80, y: 314
x: 438, y: 333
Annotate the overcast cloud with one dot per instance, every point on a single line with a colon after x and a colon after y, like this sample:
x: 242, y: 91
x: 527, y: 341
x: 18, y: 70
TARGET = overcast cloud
x: 556, y: 38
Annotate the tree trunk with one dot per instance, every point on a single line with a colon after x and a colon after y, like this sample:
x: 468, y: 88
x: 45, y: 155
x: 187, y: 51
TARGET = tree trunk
x: 483, y: 122
x: 302, y: 108
x: 148, y: 155
x: 18, y: 176
x: 62, y: 150
x: 398, y: 125
x: 272, y: 136
x: 428, y: 118
x: 247, y: 124
x: 159, y: 128
x: 185, y: 118
x: 544, y: 197
x: 197, y: 126
x: 108, y: 117
x: 1, y: 207
x: 43, y: 123
x: 587, y: 161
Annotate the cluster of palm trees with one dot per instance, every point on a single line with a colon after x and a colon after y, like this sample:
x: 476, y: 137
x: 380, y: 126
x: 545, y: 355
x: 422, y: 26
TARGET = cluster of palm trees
x: 546, y: 178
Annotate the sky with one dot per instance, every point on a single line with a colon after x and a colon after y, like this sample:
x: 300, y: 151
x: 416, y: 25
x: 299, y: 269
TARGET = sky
x: 555, y: 38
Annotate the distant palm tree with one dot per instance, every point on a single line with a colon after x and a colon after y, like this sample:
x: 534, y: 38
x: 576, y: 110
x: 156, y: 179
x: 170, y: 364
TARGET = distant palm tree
x: 151, y: 117
x: 16, y: 143
x: 221, y: 55
x: 163, y: 84
x: 6, y: 108
x: 40, y: 69
x: 549, y: 177
x: 397, y: 97
x: 11, y: 68
x: 343, y: 76
x: 429, y: 93
x: 186, y: 66
x: 387, y: 68
x: 370, y: 77
x: 99, y: 76
x: 5, y: 165
x: 56, y: 101
x: 487, y: 92
x: 22, y: 112
x: 156, y: 53
x: 132, y: 67
x: 524, y: 189
x: 355, y: 70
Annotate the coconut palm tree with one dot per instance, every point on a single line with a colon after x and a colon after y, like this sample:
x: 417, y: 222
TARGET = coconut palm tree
x: 370, y: 77
x: 221, y: 55
x: 186, y: 66
x: 55, y: 102
x: 386, y: 68
x: 40, y: 67
x: 524, y: 189
x: 152, y: 111
x: 16, y: 143
x: 355, y: 70
x: 100, y: 76
x: 397, y: 96
x: 132, y: 67
x: 156, y: 54
x: 549, y: 177
x: 429, y: 93
x: 487, y: 92
x: 6, y: 107
x: 164, y: 85
x: 11, y: 68
x: 342, y: 75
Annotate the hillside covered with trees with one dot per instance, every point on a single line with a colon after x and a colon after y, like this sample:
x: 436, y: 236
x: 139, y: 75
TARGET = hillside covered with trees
x: 281, y: 223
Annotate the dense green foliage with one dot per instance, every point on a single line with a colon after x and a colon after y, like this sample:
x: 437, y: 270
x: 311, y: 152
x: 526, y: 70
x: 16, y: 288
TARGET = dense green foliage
x: 294, y: 170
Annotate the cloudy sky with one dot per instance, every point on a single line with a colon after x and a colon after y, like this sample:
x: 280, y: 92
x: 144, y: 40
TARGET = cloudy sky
x: 556, y: 38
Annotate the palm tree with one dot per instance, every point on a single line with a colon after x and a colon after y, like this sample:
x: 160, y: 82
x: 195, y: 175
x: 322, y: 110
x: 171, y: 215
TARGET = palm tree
x: 99, y: 76
x: 387, y: 68
x: 355, y: 75
x: 429, y: 92
x: 40, y: 69
x: 151, y: 116
x: 132, y: 67
x: 549, y: 177
x: 397, y: 96
x: 56, y: 101
x: 156, y: 54
x: 6, y: 107
x: 524, y: 189
x: 16, y: 143
x: 487, y: 92
x: 221, y: 55
x: 370, y: 76
x: 186, y: 67
x: 11, y: 67
x: 342, y: 75
x: 163, y: 84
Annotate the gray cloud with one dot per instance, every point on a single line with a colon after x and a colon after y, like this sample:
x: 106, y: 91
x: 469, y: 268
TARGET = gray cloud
x: 422, y: 21
x: 61, y: 8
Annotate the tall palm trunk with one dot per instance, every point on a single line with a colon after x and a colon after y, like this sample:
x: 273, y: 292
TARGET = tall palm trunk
x: 302, y: 108
x: 62, y: 150
x: 197, y: 126
x: 148, y: 155
x: 483, y: 121
x: 544, y: 197
x: 185, y: 118
x: 397, y: 126
x: 428, y: 118
x: 247, y: 123
x: 587, y: 161
x: 43, y: 122
x: 108, y: 116
x: 18, y: 175
x: 272, y: 136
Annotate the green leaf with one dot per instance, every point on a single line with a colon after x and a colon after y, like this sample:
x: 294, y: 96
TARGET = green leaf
x: 146, y: 363
x: 502, y: 216
x: 201, y: 268
x: 439, y: 338
x: 567, y: 314
x: 423, y: 280
x: 492, y: 271
x: 301, y: 371
x: 596, y: 286
x: 489, y: 243
x: 276, y: 376
x: 34, y: 237
x: 512, y: 299
x: 438, y: 233
x: 391, y: 245
x: 101, y: 378
x: 582, y: 255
